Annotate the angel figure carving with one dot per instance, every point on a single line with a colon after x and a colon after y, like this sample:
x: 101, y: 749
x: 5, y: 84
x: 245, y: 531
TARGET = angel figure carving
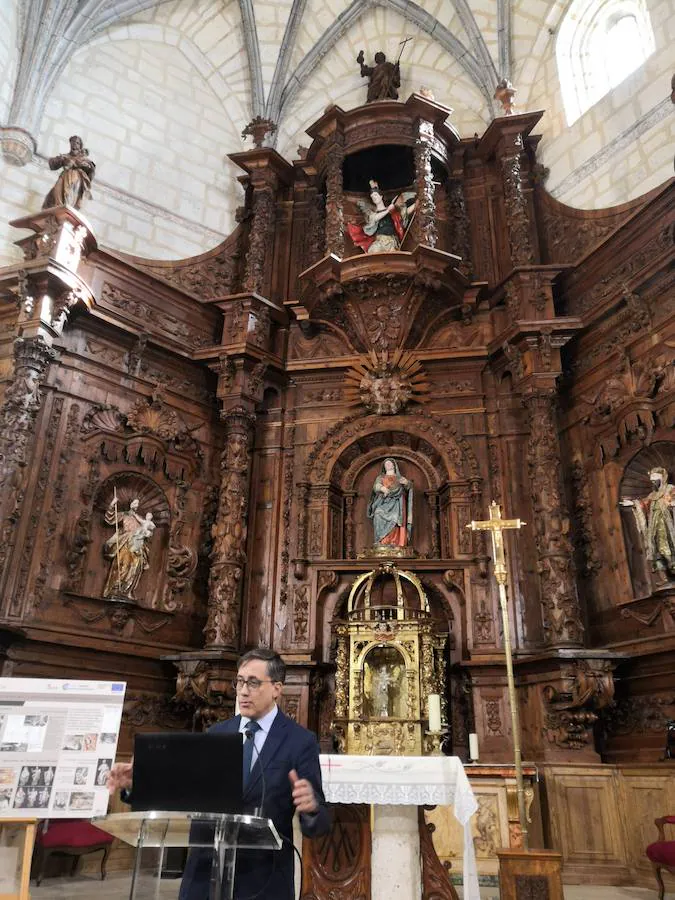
x: 384, y: 225
x: 127, y: 549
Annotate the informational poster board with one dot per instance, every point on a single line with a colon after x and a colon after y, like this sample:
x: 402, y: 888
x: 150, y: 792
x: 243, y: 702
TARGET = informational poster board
x: 58, y: 741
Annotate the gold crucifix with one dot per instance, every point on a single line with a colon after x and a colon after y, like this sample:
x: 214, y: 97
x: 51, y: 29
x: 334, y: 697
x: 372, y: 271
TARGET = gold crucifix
x: 496, y: 526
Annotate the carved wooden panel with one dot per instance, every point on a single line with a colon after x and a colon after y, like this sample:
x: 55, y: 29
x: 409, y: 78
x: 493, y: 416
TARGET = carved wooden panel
x: 585, y: 820
x: 339, y: 861
x: 644, y: 795
x: 530, y: 875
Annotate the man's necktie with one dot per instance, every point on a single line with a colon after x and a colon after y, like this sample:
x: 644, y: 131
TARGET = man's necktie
x: 249, y: 744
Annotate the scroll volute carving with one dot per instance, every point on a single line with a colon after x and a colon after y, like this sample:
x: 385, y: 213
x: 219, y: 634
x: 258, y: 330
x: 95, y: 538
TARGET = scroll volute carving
x: 572, y: 704
x: 436, y: 884
x: 341, y: 858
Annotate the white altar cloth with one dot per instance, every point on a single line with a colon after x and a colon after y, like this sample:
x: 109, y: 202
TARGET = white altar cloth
x: 407, y: 780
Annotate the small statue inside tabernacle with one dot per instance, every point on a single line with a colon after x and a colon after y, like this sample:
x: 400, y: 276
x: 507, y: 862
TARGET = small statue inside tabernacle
x: 384, y: 684
x: 655, y: 521
x: 127, y: 549
x: 385, y: 77
x: 74, y: 182
x: 384, y: 225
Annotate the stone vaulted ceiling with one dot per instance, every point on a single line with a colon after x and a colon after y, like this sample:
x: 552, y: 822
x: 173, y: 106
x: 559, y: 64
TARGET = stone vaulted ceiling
x: 464, y: 46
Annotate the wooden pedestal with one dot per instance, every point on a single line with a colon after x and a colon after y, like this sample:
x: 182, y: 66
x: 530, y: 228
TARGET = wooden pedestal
x: 530, y: 875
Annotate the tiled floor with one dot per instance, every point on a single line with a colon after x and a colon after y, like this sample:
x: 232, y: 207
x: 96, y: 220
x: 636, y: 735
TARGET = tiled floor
x: 116, y: 888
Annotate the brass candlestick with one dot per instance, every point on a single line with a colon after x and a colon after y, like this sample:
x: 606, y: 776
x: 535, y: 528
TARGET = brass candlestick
x: 496, y: 526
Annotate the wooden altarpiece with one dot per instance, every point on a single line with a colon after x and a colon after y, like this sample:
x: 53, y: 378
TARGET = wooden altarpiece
x: 512, y: 349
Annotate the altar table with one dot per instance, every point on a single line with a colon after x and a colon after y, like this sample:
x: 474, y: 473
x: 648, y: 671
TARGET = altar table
x: 397, y: 786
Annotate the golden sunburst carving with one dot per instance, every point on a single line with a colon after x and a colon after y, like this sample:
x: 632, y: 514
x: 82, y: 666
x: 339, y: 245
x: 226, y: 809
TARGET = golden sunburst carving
x: 385, y: 383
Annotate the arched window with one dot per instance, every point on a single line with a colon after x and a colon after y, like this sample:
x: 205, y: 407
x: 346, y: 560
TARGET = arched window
x: 599, y: 44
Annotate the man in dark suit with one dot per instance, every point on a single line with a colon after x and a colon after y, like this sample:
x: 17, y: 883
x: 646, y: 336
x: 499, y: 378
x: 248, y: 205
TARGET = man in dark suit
x: 281, y: 774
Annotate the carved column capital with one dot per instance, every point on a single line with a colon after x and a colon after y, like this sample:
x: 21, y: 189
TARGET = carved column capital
x: 238, y: 420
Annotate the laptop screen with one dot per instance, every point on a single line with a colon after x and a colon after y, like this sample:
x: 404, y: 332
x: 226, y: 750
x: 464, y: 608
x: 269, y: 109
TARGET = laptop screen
x: 182, y: 772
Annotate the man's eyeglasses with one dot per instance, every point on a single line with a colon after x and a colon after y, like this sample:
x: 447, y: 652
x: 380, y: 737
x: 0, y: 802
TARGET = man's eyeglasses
x: 253, y: 684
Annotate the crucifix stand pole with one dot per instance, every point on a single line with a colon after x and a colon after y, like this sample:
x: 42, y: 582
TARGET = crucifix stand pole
x: 496, y: 526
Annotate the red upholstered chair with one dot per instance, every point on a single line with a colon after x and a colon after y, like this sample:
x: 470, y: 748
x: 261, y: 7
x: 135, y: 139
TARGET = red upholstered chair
x: 662, y: 853
x: 70, y: 837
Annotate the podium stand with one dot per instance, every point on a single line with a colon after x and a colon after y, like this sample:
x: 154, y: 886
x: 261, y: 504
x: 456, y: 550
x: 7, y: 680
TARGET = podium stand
x: 152, y: 832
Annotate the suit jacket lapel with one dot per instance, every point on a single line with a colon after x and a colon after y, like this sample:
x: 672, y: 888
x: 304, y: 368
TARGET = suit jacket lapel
x: 273, y: 742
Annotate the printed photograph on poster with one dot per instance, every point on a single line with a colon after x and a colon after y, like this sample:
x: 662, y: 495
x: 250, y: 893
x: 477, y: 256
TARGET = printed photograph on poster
x: 74, y: 742
x: 6, y: 797
x: 102, y: 771
x: 23, y: 734
x: 36, y: 721
x: 107, y: 737
x: 81, y: 775
x: 90, y: 741
x: 32, y: 798
x: 82, y: 800
x: 36, y: 775
x: 7, y: 776
x: 60, y: 800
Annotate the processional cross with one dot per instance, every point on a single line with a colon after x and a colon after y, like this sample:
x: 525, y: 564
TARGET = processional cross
x: 496, y: 526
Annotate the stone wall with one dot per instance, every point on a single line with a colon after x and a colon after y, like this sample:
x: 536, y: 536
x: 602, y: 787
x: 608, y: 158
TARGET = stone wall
x: 9, y: 12
x: 622, y: 146
x: 162, y: 96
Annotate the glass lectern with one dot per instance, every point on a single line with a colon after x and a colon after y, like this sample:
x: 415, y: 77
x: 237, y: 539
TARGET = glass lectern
x: 153, y: 832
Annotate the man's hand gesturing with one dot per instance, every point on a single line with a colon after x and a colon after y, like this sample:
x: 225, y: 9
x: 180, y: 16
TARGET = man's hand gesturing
x: 119, y: 777
x: 303, y: 794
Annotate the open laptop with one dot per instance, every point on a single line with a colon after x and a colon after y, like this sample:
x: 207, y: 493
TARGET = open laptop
x: 181, y: 772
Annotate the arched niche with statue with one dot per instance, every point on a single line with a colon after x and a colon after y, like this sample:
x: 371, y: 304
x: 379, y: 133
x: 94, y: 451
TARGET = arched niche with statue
x: 128, y: 554
x: 336, y: 518
x: 647, y: 502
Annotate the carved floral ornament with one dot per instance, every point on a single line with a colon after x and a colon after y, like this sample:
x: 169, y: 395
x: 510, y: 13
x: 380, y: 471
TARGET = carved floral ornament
x: 386, y: 385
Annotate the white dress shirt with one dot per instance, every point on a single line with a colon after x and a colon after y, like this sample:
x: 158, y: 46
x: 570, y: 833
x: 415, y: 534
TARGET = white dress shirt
x: 260, y: 736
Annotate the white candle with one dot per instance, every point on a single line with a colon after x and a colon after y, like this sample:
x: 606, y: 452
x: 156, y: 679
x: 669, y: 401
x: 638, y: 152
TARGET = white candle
x: 434, y: 712
x: 473, y: 746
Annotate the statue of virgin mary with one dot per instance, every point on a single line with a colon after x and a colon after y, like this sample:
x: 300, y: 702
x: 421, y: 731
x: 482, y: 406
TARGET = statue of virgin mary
x: 391, y: 507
